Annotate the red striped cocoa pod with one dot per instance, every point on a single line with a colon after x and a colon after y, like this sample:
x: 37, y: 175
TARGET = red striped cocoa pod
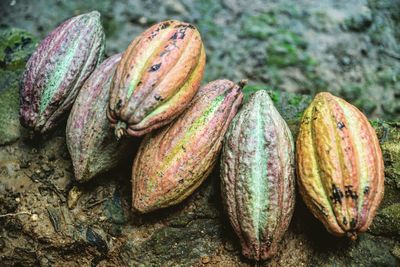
x: 159, y: 74
x: 90, y: 138
x: 340, y: 165
x: 174, y: 161
x: 257, y: 176
x: 57, y: 70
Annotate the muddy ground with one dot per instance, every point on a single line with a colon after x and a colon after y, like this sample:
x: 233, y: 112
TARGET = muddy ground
x: 294, y: 48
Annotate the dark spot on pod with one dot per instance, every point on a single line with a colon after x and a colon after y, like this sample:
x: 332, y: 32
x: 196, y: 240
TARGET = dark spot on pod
x: 366, y: 190
x: 180, y: 181
x: 191, y: 26
x: 337, y: 195
x: 269, y: 241
x: 353, y: 223
x: 344, y: 221
x: 180, y: 34
x: 307, y: 120
x: 319, y: 207
x: 158, y: 98
x: 340, y: 125
x: 139, y: 83
x: 119, y: 104
x: 350, y: 193
x: 165, y: 25
x: 155, y: 67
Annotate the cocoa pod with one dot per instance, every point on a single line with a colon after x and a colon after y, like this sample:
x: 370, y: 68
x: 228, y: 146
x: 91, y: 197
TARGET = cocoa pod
x: 90, y: 138
x: 174, y: 161
x: 159, y: 73
x: 340, y: 165
x: 57, y: 70
x: 257, y: 176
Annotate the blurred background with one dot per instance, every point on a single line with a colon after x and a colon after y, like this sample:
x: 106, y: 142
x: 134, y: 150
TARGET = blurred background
x: 350, y: 48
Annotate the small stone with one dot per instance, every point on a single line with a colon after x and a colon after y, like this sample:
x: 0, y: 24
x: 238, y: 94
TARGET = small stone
x: 143, y: 20
x: 17, y: 199
x: 34, y: 217
x: 73, y: 196
x: 205, y: 259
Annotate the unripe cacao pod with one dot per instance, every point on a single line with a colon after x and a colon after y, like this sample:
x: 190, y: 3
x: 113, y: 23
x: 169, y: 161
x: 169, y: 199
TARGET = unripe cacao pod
x: 57, y: 70
x: 257, y: 176
x: 340, y: 165
x: 159, y: 73
x: 174, y: 161
x: 90, y: 138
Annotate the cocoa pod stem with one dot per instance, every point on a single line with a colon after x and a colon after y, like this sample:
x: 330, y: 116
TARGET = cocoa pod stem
x: 242, y: 83
x: 120, y: 129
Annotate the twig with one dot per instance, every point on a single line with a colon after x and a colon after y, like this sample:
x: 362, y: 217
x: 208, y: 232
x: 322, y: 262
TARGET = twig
x: 96, y: 203
x: 15, y: 214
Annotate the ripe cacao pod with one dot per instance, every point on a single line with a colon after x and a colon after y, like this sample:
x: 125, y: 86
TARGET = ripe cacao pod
x: 57, y: 70
x: 90, y: 138
x: 159, y: 73
x: 340, y: 165
x: 257, y: 176
x: 174, y: 161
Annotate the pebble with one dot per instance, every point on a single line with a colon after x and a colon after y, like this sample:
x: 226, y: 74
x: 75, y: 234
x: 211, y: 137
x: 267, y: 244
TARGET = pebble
x: 205, y: 259
x: 34, y: 217
x: 143, y: 20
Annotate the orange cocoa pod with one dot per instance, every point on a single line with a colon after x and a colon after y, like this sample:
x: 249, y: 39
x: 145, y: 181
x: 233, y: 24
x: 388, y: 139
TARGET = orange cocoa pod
x: 157, y: 77
x: 340, y: 165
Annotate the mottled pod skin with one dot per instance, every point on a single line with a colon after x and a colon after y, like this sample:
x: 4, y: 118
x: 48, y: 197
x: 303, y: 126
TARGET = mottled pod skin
x: 159, y: 73
x: 340, y: 165
x: 174, y: 161
x: 57, y: 70
x: 257, y: 176
x: 90, y: 138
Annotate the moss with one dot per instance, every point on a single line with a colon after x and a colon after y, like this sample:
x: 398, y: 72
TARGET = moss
x: 169, y: 245
x: 16, y: 46
x: 287, y: 49
x: 260, y: 26
x: 368, y: 250
x: 389, y: 136
x: 10, y: 129
x: 387, y: 221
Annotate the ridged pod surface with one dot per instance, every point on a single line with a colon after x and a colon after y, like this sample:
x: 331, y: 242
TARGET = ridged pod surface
x: 340, y: 165
x: 90, y: 138
x: 257, y: 176
x: 57, y: 70
x: 174, y: 161
x: 159, y: 74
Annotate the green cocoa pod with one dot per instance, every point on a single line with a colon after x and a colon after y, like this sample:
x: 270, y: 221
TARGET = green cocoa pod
x: 257, y: 171
x: 174, y: 161
x: 57, y: 70
x: 90, y: 138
